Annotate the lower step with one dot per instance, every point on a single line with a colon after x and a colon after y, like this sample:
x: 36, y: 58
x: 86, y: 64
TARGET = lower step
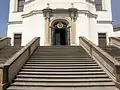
x: 63, y: 73
x: 61, y: 88
x: 63, y: 80
x: 87, y: 84
x: 63, y: 67
x: 62, y: 70
x: 62, y: 76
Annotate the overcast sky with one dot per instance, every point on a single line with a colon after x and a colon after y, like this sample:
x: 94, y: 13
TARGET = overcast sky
x: 4, y: 9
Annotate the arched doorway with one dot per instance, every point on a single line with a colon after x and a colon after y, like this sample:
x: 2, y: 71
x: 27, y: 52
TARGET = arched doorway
x: 60, y: 33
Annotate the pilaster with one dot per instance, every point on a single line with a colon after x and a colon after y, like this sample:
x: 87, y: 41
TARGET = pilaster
x: 103, y: 5
x: 47, y: 15
x: 73, y: 15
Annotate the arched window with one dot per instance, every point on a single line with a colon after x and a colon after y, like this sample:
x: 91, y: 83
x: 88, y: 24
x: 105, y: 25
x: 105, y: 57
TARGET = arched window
x: 98, y: 5
x: 20, y: 5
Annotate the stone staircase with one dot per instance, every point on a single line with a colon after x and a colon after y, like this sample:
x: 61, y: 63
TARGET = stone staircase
x: 113, y: 51
x: 61, y: 67
x: 7, y: 52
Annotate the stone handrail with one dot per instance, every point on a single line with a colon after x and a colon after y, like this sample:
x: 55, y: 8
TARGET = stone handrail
x: 110, y: 65
x: 114, y: 41
x: 9, y: 70
x: 5, y: 42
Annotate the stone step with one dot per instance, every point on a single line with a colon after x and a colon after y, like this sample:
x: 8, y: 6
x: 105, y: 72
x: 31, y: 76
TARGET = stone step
x: 2, y: 60
x: 63, y: 88
x: 78, y: 84
x: 62, y: 70
x: 61, y: 51
x: 62, y: 73
x: 62, y: 80
x: 32, y: 57
x: 112, y: 50
x: 57, y: 46
x: 60, y: 62
x: 60, y: 58
x: 63, y: 60
x: 63, y: 67
x: 58, y: 55
x: 60, y: 48
x: 62, y: 76
x: 7, y: 53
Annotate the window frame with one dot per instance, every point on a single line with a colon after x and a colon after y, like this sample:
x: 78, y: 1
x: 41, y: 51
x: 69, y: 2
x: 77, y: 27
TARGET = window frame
x: 20, y: 5
x: 98, y: 5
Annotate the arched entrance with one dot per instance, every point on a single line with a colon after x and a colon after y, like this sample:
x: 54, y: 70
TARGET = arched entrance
x: 60, y: 33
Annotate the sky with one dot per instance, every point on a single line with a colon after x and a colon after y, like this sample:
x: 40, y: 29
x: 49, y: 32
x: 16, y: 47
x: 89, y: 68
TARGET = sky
x: 4, y: 11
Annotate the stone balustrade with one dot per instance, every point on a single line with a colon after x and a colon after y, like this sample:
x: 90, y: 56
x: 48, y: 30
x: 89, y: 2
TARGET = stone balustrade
x: 115, y: 41
x: 109, y: 64
x: 9, y: 70
x: 5, y: 42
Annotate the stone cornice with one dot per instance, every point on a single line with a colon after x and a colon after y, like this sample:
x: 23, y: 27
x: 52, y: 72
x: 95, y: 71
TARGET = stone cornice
x: 14, y: 22
x: 104, y: 22
x: 34, y: 12
x: 88, y: 13
x: 91, y: 1
x: 27, y: 2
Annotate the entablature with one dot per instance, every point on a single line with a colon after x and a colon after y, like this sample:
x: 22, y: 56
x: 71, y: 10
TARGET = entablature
x: 64, y: 11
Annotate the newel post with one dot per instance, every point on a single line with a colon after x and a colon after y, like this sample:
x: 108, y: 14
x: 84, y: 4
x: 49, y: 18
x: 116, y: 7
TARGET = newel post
x: 117, y: 75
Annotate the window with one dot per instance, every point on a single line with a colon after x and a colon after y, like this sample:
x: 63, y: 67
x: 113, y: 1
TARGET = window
x: 20, y: 5
x: 98, y: 5
x: 102, y: 39
x: 17, y: 39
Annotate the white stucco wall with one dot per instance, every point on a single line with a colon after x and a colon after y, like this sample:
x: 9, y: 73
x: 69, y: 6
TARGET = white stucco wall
x: 14, y: 28
x: 33, y: 26
x: 82, y: 27
x: 104, y: 28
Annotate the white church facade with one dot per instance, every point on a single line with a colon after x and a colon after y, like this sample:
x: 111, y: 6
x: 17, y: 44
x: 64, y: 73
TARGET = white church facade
x: 59, y: 22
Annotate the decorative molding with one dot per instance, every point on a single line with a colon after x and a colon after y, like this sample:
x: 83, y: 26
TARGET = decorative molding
x: 88, y: 13
x: 15, y: 22
x: 27, y: 2
x: 34, y: 12
x: 47, y: 13
x: 73, y: 13
x: 91, y: 1
x: 104, y: 22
